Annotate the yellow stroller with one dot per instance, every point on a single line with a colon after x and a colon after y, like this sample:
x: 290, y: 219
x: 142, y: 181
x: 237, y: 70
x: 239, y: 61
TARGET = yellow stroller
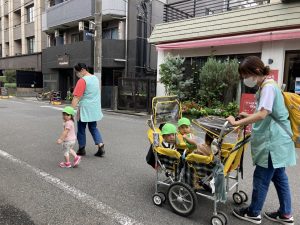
x: 209, y: 176
x: 166, y: 161
x: 188, y: 174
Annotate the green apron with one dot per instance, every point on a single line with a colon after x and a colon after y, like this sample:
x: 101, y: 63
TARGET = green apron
x: 90, y: 103
x: 269, y: 138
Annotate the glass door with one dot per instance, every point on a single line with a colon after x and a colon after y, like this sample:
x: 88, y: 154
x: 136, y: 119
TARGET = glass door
x: 292, y: 71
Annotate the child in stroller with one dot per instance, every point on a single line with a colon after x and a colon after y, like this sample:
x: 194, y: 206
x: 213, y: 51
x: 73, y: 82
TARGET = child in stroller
x: 168, y: 133
x: 184, y: 128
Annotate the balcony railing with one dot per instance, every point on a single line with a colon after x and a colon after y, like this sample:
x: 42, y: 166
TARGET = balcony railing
x: 195, y: 8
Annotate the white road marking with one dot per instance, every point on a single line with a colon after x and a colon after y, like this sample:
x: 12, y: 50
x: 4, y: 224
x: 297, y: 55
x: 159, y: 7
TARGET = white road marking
x: 17, y: 102
x: 76, y: 193
x: 52, y: 107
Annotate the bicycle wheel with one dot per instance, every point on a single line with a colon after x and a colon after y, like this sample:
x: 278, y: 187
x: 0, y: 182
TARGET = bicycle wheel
x: 39, y: 96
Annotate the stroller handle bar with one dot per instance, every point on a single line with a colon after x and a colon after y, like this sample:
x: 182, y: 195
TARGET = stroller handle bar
x: 223, y: 130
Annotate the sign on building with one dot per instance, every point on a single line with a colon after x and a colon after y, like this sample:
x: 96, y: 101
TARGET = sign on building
x: 63, y: 60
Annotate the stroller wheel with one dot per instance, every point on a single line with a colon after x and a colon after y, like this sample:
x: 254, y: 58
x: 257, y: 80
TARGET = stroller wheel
x: 182, y: 198
x: 157, y: 199
x: 225, y: 218
x: 244, y: 196
x: 237, y: 198
x: 218, y: 220
x: 162, y: 196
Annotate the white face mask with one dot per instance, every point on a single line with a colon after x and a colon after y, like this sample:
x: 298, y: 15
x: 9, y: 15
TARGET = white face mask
x: 250, y: 82
x: 79, y: 75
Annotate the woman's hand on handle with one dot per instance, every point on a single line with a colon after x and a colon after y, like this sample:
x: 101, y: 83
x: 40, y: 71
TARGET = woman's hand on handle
x: 231, y: 120
x: 244, y: 115
x: 253, y: 118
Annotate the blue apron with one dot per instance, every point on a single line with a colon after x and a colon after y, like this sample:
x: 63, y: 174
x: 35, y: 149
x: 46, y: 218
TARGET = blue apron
x: 90, y: 103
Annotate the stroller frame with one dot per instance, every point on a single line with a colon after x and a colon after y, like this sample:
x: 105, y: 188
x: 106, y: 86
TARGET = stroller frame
x: 181, y: 195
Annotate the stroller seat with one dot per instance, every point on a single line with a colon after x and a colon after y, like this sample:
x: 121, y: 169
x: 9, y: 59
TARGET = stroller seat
x: 168, y: 159
x: 198, y: 169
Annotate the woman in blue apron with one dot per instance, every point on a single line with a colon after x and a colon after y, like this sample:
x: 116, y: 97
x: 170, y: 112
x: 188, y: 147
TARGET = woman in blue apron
x: 87, y: 97
x: 272, y: 148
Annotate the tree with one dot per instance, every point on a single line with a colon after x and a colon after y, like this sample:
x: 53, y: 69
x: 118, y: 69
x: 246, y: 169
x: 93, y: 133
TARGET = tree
x: 172, y: 76
x: 218, y: 81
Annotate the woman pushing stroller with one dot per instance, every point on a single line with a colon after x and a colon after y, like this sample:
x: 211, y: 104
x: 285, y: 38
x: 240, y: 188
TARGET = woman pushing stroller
x: 271, y: 146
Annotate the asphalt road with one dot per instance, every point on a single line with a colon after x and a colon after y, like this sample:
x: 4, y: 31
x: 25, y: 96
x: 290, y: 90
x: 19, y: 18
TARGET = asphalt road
x: 116, y: 189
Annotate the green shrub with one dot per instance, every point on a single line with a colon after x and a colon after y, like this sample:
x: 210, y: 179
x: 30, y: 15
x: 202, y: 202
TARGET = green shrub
x: 10, y: 85
x: 195, y: 111
x: 3, y: 79
x: 10, y: 76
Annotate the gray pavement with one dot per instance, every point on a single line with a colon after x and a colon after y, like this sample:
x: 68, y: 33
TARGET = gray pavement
x: 101, y: 190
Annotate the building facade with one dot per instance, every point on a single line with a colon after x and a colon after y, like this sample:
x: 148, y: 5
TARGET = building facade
x: 68, y: 25
x: 269, y: 29
x: 126, y: 25
x: 22, y: 40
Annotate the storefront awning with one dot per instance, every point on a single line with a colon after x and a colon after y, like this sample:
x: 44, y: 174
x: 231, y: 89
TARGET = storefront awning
x: 233, y: 40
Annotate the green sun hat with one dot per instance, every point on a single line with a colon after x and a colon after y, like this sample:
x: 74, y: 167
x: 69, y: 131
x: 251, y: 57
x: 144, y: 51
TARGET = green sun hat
x: 69, y: 110
x: 184, y: 121
x: 168, y: 128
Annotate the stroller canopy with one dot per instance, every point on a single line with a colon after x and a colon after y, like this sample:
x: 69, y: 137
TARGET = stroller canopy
x: 213, y: 125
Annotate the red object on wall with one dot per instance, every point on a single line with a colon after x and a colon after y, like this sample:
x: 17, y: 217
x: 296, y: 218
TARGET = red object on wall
x: 247, y: 103
x: 273, y: 75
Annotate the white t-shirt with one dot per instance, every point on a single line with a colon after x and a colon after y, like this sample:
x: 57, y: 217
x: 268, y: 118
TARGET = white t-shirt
x: 267, y: 97
x: 168, y: 145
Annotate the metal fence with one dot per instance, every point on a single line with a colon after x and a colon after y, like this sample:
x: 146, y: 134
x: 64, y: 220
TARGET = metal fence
x: 135, y: 94
x: 195, y: 8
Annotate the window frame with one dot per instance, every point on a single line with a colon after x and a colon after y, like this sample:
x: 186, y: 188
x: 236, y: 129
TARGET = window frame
x: 30, y: 13
x: 30, y: 45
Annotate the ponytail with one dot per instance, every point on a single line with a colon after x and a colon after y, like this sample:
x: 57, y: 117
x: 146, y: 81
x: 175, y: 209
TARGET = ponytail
x: 266, y: 70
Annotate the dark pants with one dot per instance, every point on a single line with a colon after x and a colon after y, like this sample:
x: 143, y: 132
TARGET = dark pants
x: 81, y: 137
x: 261, y: 180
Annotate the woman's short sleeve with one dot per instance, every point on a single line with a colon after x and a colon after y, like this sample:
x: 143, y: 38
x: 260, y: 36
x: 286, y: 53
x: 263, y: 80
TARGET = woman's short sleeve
x: 267, y: 97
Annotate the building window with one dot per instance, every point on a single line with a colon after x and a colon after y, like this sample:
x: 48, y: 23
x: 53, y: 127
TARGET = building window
x: 30, y: 13
x: 208, y: 11
x: 55, y: 2
x: 110, y: 33
x: 76, y: 37
x: 30, y: 45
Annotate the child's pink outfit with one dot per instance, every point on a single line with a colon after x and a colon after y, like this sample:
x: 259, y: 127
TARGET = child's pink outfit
x: 69, y: 143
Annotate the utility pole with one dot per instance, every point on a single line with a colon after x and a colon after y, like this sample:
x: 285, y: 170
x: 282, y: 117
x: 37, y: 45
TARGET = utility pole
x: 98, y: 41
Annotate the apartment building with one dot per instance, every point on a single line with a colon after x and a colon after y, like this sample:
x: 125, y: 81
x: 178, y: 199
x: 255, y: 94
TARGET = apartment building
x: 233, y: 28
x: 22, y: 40
x: 69, y: 28
x: 126, y: 25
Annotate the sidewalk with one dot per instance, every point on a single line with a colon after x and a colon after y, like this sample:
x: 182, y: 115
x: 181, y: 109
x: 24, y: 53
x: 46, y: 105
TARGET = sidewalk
x: 127, y: 112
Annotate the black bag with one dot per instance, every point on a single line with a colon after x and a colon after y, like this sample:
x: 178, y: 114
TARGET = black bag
x: 150, y: 157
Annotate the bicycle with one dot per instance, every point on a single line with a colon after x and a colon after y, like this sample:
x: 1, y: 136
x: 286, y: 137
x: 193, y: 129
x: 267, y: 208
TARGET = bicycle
x: 44, y: 95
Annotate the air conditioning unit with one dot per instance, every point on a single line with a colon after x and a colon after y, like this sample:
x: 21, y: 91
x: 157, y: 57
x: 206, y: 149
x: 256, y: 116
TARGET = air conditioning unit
x: 81, y: 26
x: 91, y: 25
x: 56, y: 33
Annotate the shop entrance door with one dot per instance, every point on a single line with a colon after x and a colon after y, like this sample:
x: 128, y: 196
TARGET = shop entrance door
x: 292, y: 71
x: 65, y: 81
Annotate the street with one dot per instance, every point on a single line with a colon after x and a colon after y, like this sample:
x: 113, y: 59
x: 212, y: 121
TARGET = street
x: 115, y: 189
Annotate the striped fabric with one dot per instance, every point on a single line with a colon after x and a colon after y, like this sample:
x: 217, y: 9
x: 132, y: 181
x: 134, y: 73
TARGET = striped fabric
x: 171, y: 164
x: 195, y: 172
